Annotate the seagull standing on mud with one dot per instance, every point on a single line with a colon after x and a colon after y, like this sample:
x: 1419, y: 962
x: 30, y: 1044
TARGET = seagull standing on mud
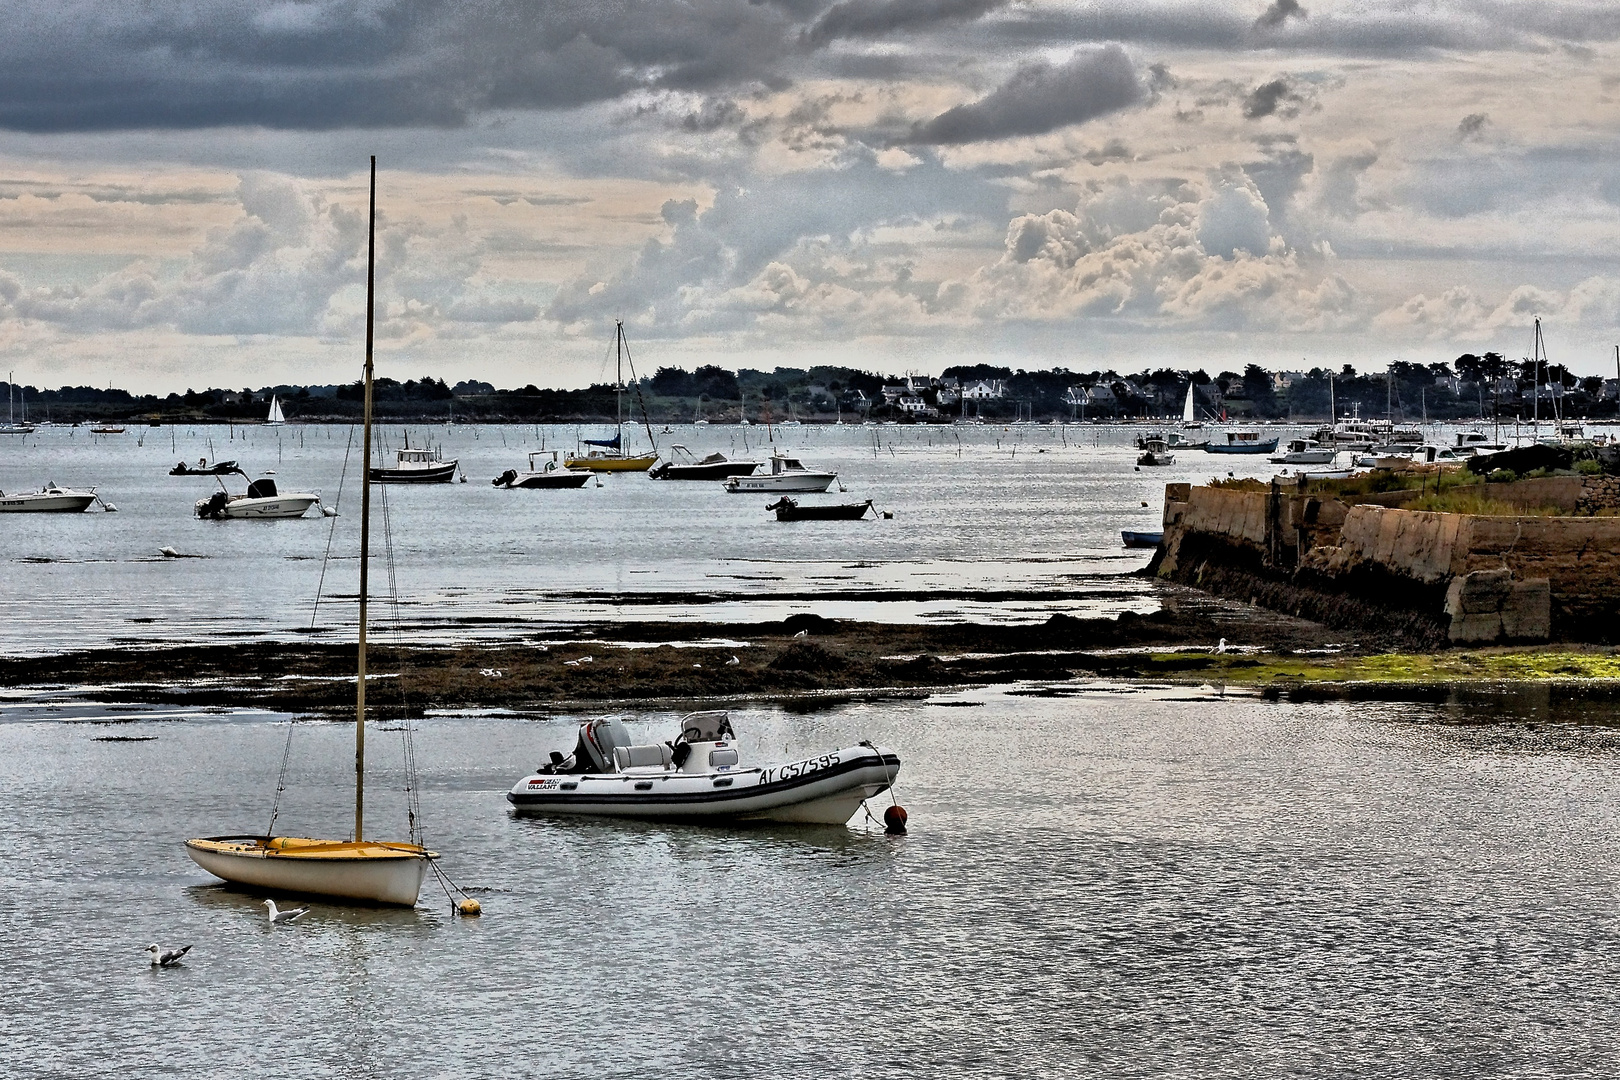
x: 277, y: 917
x: 162, y: 958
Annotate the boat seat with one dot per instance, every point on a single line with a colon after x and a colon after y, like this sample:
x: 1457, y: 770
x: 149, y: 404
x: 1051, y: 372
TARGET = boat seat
x: 634, y: 757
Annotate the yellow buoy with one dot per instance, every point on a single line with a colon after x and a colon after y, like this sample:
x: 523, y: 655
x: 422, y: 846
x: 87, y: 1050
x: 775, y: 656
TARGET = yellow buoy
x: 469, y: 906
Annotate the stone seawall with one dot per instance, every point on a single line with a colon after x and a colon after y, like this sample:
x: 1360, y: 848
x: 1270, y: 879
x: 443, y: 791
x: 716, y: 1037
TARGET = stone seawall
x: 1518, y: 578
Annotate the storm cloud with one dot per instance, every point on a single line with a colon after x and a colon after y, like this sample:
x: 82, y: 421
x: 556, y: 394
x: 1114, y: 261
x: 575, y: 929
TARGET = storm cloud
x: 1041, y: 98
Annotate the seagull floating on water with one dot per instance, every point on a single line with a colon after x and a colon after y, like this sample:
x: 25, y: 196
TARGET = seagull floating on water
x: 166, y: 958
x: 277, y: 916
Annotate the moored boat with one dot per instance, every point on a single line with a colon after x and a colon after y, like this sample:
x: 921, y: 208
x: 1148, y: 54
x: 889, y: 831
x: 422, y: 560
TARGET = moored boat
x: 417, y: 465
x: 608, y: 455
x: 1155, y: 452
x: 1305, y: 452
x: 1242, y: 442
x: 370, y: 871
x: 787, y: 474
x: 202, y: 468
x: 1134, y: 539
x: 546, y: 474
x: 684, y: 465
x: 262, y: 500
x: 788, y: 509
x: 698, y: 776
x: 49, y: 499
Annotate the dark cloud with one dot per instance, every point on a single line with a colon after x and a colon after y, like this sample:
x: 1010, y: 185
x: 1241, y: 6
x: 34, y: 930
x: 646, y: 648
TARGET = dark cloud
x: 1472, y: 125
x: 872, y: 18
x: 1041, y: 98
x: 1278, y: 13
x: 1267, y: 98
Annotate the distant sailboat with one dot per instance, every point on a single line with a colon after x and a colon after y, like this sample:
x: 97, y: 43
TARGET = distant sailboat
x: 275, y: 418
x: 11, y: 427
x: 1188, y: 418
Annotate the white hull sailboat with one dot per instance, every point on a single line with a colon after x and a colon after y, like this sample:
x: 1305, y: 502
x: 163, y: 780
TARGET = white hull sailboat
x: 370, y: 871
x: 276, y: 417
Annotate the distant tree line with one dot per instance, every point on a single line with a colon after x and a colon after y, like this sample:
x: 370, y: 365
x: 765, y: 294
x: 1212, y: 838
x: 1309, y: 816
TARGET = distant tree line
x: 1471, y: 387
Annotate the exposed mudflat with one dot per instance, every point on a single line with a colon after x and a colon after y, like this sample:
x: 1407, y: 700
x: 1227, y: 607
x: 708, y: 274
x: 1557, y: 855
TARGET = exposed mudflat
x: 802, y: 656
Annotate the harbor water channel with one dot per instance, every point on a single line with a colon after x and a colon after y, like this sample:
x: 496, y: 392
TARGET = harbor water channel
x: 1101, y: 879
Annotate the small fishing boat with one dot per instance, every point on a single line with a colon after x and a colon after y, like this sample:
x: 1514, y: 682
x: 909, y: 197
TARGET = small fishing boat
x: 202, y: 468
x: 543, y: 474
x: 699, y: 777
x: 106, y: 429
x: 49, y: 499
x: 370, y: 871
x: 1155, y: 452
x: 417, y: 465
x: 261, y: 501
x: 787, y: 474
x: 1242, y: 442
x: 1141, y: 539
x: 789, y: 510
x: 684, y: 465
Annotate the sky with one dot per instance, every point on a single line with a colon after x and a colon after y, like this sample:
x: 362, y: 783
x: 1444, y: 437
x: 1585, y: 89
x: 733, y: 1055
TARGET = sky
x: 896, y: 185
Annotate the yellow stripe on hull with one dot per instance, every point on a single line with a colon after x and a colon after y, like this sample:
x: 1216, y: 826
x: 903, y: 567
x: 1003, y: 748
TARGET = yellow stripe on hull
x: 377, y: 871
x: 612, y: 464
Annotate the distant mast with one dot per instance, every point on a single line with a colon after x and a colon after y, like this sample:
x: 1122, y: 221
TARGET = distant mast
x: 275, y: 416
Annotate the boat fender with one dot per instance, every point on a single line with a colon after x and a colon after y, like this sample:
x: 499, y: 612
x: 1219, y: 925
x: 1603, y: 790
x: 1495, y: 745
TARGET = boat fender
x: 469, y: 907
x: 894, y: 820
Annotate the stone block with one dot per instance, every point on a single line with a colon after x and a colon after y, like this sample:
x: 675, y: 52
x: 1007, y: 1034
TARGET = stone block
x: 1527, y: 612
x: 1475, y: 629
x: 1478, y: 593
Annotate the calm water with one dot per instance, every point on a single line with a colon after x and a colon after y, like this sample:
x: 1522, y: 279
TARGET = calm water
x: 1115, y: 882
x: 988, y: 522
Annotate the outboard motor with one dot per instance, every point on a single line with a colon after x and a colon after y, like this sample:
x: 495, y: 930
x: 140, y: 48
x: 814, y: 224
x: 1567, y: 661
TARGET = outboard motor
x: 505, y: 479
x: 214, y: 508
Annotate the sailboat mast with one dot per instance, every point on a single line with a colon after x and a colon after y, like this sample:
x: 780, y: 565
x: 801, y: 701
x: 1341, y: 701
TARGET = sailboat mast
x: 365, y: 521
x: 618, y: 381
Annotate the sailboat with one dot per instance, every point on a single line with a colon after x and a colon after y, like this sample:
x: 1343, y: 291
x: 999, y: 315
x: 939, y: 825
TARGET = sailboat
x: 1189, y: 419
x: 371, y: 871
x: 609, y: 455
x: 275, y: 419
x: 11, y: 427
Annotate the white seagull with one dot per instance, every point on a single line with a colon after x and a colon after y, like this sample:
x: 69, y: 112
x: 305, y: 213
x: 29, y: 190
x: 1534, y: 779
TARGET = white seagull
x: 733, y: 662
x: 1221, y: 648
x: 162, y: 958
x: 278, y: 917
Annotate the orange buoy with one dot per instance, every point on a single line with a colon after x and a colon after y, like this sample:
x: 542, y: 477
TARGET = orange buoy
x: 894, y: 820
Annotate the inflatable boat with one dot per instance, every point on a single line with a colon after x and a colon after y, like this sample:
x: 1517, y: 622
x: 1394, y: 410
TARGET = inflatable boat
x: 698, y: 777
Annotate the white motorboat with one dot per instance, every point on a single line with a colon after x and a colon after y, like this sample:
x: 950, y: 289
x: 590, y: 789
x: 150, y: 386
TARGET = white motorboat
x: 1305, y: 452
x: 787, y: 474
x: 1470, y: 443
x: 544, y: 473
x: 49, y: 499
x: 699, y: 777
x: 261, y: 501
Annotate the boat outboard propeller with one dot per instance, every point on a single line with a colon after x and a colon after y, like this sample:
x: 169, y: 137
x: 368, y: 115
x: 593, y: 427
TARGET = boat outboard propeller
x: 505, y: 479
